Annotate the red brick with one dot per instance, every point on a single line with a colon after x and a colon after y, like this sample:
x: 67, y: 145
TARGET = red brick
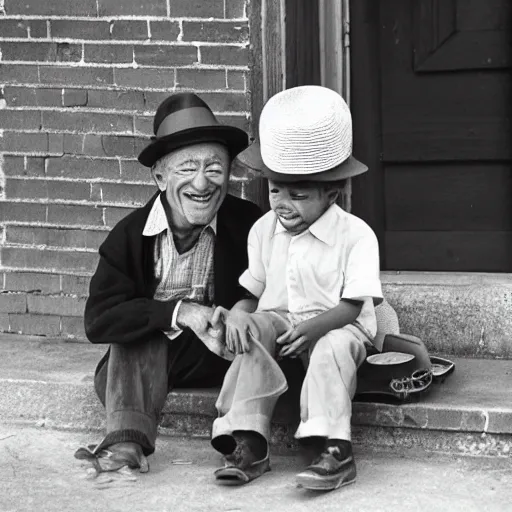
x: 84, y: 29
x: 20, y: 119
x: 41, y: 52
x: 55, y: 305
x: 132, y: 170
x: 81, y: 76
x: 19, y: 74
x: 165, y: 55
x: 53, y: 8
x: 16, y: 166
x: 32, y: 282
x: 35, y: 325
x: 14, y: 28
x: 38, y: 29
x: 22, y: 212
x: 164, y: 30
x: 54, y: 237
x: 238, y: 121
x: 154, y: 98
x: 132, y: 8
x: 144, y: 125
x: 201, y: 78
x: 51, y: 260
x: 197, y: 9
x: 56, y: 143
x: 129, y: 30
x: 86, y: 122
x: 122, y: 193
x: 74, y: 98
x: 33, y: 97
x: 216, y: 31
x: 122, y: 100
x: 73, y: 327
x: 225, y: 55
x: 13, y: 303
x: 145, y: 78
x: 16, y: 142
x: 122, y: 146
x: 42, y: 189
x: 235, y: 9
x: 114, y: 214
x: 73, y: 143
x: 76, y: 285
x: 236, y: 80
x: 70, y: 215
x: 4, y: 322
x: 108, y: 53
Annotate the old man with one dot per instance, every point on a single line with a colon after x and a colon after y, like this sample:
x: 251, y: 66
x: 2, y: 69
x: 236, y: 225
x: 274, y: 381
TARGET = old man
x: 161, y: 270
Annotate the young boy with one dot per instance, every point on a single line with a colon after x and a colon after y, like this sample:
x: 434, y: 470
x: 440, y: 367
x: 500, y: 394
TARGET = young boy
x: 313, y: 280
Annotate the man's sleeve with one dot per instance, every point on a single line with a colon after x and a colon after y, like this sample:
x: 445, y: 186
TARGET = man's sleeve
x: 362, y: 271
x: 254, y: 278
x: 116, y: 311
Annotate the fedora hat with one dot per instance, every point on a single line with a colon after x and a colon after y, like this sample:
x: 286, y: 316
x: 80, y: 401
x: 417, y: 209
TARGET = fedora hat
x: 403, y: 371
x: 184, y: 119
x: 305, y: 134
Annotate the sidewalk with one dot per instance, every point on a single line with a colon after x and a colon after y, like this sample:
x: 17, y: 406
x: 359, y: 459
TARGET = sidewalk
x: 38, y: 472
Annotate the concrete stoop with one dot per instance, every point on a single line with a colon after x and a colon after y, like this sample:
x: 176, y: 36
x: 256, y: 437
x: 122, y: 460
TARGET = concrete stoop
x: 49, y: 384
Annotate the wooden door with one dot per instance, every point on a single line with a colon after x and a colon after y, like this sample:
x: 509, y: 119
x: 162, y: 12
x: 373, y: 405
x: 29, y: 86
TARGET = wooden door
x: 431, y: 97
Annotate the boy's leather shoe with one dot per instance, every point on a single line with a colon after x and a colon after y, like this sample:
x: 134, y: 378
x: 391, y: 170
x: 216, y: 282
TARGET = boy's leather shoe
x: 334, y: 468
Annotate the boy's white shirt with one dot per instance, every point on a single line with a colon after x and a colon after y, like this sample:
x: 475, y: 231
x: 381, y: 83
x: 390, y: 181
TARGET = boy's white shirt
x: 307, y: 274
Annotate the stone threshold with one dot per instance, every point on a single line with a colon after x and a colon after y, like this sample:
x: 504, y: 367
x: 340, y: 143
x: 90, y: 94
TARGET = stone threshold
x: 50, y: 384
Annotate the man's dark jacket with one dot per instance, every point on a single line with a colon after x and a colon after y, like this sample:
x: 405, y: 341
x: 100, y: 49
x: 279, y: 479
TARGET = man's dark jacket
x: 121, y: 308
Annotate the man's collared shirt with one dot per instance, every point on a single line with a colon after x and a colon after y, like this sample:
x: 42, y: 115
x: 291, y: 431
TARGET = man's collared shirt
x: 180, y: 276
x: 307, y: 274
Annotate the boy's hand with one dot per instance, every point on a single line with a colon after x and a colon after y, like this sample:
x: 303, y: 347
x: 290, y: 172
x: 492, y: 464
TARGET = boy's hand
x: 238, y: 326
x: 300, y: 338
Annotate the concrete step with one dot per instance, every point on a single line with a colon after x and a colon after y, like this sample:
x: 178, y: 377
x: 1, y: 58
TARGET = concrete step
x: 49, y: 383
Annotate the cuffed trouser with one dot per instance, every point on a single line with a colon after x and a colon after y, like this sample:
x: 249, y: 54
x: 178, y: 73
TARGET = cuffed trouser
x: 133, y: 380
x: 255, y: 381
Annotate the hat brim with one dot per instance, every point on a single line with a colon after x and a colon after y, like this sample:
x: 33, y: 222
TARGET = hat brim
x: 251, y: 158
x: 235, y: 139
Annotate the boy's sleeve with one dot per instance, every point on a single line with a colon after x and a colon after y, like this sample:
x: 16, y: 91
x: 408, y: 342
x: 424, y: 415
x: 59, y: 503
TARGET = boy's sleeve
x: 254, y: 278
x: 362, y: 271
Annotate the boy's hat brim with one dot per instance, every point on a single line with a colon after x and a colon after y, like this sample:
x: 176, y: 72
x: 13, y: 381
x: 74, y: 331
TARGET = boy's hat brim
x: 251, y: 158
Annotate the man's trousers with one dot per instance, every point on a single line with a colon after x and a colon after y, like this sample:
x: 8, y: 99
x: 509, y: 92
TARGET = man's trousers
x: 133, y: 380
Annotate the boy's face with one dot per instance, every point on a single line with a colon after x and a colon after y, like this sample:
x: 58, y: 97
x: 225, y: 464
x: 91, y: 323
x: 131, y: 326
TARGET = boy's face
x: 298, y: 206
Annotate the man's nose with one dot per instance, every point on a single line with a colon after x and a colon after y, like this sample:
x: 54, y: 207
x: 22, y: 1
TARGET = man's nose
x: 200, y: 182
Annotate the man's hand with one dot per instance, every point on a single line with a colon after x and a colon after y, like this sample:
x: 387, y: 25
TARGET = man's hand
x: 300, y: 338
x: 194, y: 316
x: 238, y: 324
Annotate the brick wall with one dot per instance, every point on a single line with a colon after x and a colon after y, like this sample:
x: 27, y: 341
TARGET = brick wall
x: 79, y: 82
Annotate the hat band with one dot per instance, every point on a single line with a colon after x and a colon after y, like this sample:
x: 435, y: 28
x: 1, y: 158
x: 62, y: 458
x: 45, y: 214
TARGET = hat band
x: 193, y: 117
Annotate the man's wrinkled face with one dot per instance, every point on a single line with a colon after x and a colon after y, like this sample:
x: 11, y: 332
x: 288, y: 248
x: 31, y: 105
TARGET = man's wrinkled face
x: 195, y: 181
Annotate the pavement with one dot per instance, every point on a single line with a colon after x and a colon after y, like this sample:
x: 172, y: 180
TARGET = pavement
x: 38, y: 472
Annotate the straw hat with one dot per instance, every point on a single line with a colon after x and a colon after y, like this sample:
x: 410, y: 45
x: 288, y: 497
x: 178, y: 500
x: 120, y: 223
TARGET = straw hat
x: 305, y: 134
x: 184, y: 119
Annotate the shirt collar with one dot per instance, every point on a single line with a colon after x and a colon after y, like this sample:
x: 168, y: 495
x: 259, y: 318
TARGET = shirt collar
x: 323, y: 228
x: 156, y: 222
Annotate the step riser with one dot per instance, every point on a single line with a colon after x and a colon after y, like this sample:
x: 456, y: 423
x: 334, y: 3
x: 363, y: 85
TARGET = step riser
x: 75, y: 407
x: 473, y: 319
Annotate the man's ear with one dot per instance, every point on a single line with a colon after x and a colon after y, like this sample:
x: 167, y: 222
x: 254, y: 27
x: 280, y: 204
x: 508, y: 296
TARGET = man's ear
x: 160, y: 177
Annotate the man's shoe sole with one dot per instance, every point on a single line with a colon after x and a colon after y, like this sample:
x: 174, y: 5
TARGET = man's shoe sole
x: 315, y: 482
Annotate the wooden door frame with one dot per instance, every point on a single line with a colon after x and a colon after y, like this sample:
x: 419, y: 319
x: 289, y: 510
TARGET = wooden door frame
x: 367, y: 189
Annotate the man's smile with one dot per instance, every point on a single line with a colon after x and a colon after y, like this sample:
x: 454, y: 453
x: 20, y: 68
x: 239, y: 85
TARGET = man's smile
x: 199, y: 198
